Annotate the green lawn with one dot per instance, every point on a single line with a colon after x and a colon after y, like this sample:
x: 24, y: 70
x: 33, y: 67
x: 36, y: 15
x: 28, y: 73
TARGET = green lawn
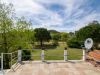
x: 57, y: 54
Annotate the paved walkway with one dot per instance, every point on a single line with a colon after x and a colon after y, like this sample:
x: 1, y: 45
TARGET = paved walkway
x: 1, y: 73
x: 54, y: 68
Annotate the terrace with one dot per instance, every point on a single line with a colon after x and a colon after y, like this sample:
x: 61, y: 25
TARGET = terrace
x: 55, y: 68
x: 46, y: 65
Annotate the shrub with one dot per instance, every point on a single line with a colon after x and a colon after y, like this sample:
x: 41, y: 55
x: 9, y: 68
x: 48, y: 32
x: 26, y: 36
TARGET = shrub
x: 74, y: 43
x: 26, y: 55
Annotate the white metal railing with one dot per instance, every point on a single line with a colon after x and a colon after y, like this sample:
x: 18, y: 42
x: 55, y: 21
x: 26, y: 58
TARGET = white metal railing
x: 43, y: 55
x: 12, y: 58
x: 16, y: 57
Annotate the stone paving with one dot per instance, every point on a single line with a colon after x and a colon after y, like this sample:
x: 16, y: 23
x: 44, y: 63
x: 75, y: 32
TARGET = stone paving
x: 56, y: 68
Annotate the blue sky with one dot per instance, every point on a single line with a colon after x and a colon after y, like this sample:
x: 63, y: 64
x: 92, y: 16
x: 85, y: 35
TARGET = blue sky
x: 61, y: 15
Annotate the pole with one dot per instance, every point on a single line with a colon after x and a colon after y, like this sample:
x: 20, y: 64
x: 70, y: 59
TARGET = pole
x: 42, y: 55
x: 84, y: 56
x: 2, y: 63
x: 19, y: 56
x: 65, y: 54
x: 11, y: 61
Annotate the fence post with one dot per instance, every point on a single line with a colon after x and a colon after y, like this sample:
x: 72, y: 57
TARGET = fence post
x: 84, y: 56
x: 65, y: 54
x: 2, y: 63
x: 11, y: 61
x: 42, y: 55
x: 19, y: 56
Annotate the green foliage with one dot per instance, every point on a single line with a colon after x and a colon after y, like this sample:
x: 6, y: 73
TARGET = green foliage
x: 23, y: 34
x: 6, y: 24
x: 55, y: 37
x: 64, y: 37
x: 90, y: 31
x: 74, y: 43
x: 26, y: 55
x: 42, y: 35
x: 13, y: 33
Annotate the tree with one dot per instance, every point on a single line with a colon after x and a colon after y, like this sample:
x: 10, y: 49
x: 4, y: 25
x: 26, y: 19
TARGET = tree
x: 12, y: 35
x: 6, y: 25
x: 41, y: 35
x: 64, y: 37
x: 74, y: 43
x: 90, y: 31
x: 55, y: 37
x: 23, y: 33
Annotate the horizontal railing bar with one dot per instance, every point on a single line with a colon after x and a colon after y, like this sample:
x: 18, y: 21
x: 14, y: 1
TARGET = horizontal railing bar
x: 31, y: 55
x: 31, y: 49
x: 44, y: 55
x: 7, y: 53
x: 39, y: 49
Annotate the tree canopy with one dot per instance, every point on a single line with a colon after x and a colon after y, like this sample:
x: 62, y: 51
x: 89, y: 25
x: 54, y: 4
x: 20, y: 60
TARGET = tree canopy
x: 41, y: 35
x: 90, y: 31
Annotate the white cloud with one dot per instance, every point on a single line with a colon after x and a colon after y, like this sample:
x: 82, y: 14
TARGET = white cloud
x: 75, y: 16
x: 28, y: 8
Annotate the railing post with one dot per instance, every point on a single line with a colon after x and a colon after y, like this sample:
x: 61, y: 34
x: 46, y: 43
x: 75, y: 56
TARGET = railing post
x: 65, y: 54
x: 11, y: 61
x: 2, y: 63
x: 19, y: 56
x: 42, y: 55
x: 84, y: 55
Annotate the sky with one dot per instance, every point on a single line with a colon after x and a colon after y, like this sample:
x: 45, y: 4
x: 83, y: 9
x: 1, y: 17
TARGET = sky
x: 61, y: 15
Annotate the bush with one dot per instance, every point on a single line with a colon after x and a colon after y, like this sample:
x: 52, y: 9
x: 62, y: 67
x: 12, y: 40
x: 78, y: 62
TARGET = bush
x: 26, y: 55
x: 55, y: 43
x: 74, y: 43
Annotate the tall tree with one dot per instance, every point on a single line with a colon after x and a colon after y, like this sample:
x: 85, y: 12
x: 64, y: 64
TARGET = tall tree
x: 90, y: 31
x: 41, y: 35
x: 5, y: 25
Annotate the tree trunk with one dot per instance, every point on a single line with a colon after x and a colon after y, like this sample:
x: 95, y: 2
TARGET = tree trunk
x: 41, y: 43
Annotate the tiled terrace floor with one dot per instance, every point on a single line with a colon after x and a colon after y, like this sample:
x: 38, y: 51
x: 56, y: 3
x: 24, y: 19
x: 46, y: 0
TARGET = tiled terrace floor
x: 56, y: 68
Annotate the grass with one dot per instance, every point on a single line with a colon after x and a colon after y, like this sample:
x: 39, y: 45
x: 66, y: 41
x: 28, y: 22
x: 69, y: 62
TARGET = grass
x: 75, y: 54
x: 58, y: 54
